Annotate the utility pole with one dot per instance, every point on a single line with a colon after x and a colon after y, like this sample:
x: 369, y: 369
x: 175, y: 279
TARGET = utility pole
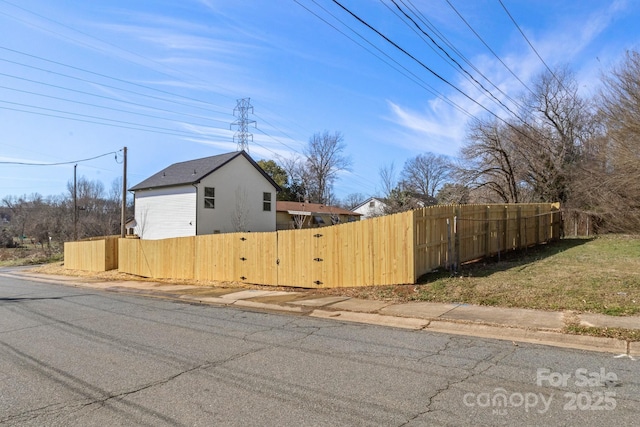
x: 75, y: 204
x: 123, y: 208
x: 242, y: 135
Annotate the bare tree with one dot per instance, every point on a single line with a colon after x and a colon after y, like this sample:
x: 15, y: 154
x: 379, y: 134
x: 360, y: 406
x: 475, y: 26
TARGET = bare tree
x: 560, y: 124
x: 299, y: 220
x: 241, y: 212
x: 142, y: 220
x: 454, y: 194
x: 611, y: 182
x: 20, y: 214
x: 397, y: 198
x: 98, y: 213
x: 324, y: 160
x: 352, y: 200
x: 536, y: 157
x: 424, y: 174
x: 297, y: 178
x: 388, y: 179
x: 489, y: 161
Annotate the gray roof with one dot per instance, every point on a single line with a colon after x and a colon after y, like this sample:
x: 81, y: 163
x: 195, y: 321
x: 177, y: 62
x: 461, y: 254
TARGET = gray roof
x: 193, y: 171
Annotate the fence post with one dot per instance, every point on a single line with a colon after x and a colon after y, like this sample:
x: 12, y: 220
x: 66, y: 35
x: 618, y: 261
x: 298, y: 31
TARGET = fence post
x: 505, y: 228
x: 498, y: 238
x: 538, y: 224
x: 449, y: 247
x: 487, y: 233
x: 588, y: 228
x: 519, y: 226
x: 456, y: 235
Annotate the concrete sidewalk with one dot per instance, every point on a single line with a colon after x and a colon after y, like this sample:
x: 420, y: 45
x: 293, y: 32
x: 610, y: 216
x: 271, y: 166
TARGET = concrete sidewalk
x: 513, y: 324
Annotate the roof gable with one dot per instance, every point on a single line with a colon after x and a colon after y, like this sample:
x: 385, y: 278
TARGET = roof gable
x: 371, y: 199
x: 193, y: 171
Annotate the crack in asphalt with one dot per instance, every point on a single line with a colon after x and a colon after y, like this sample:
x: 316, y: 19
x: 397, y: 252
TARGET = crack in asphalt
x: 101, y: 402
x: 471, y: 373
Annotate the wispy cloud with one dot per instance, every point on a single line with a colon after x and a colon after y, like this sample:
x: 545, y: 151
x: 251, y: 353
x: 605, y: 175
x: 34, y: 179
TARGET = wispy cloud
x: 569, y: 40
x: 436, y: 128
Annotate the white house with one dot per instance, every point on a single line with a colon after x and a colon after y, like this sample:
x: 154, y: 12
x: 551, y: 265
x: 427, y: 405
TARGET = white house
x: 218, y: 194
x: 371, y: 207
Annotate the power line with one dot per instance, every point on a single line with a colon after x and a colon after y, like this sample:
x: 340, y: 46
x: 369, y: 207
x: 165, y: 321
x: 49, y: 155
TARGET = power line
x: 508, y: 124
x: 530, y: 44
x: 92, y: 37
x: 128, y: 125
x: 86, y: 115
x: 487, y: 46
x: 103, y: 96
x: 95, y: 48
x: 99, y: 84
x: 94, y: 119
x: 102, y: 106
x: 152, y: 129
x: 275, y: 139
x: 106, y: 77
x: 470, y: 76
x: 422, y: 18
x: 62, y: 163
x: 413, y: 77
x: 422, y: 64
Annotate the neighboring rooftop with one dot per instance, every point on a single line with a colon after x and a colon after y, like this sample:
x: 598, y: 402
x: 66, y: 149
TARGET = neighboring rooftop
x: 312, y: 208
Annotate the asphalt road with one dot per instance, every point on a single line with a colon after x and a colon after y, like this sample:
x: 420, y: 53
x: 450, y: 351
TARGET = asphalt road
x: 79, y: 357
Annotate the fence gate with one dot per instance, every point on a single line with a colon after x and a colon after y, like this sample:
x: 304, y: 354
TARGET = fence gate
x: 295, y: 252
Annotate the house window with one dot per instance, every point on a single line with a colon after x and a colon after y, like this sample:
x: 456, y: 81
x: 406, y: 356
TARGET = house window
x: 266, y: 201
x: 372, y: 204
x: 209, y: 197
x: 318, y: 219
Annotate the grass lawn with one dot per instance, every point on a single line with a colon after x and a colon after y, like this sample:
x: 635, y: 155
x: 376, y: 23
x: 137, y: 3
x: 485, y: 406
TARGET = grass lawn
x: 599, y: 275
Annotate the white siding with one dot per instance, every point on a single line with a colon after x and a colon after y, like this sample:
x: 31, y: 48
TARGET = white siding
x: 368, y: 211
x: 239, y: 188
x: 165, y: 212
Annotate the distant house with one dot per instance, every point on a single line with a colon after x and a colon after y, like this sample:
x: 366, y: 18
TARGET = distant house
x: 371, y: 207
x: 217, y: 194
x: 292, y: 215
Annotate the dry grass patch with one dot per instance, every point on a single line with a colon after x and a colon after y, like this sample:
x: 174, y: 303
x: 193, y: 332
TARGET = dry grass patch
x: 29, y: 254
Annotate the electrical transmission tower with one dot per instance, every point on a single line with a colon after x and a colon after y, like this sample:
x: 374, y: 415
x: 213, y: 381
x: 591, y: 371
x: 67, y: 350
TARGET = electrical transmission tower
x: 242, y: 135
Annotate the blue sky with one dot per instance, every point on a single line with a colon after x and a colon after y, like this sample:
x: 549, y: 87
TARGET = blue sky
x: 81, y: 79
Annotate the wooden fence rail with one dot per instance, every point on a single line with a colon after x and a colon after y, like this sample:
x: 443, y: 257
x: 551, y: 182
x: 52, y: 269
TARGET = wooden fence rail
x: 391, y: 249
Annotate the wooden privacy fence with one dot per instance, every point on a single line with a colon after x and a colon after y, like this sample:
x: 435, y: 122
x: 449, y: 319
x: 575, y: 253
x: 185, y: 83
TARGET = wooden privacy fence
x: 92, y: 255
x: 447, y: 236
x: 392, y: 249
x: 376, y: 251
